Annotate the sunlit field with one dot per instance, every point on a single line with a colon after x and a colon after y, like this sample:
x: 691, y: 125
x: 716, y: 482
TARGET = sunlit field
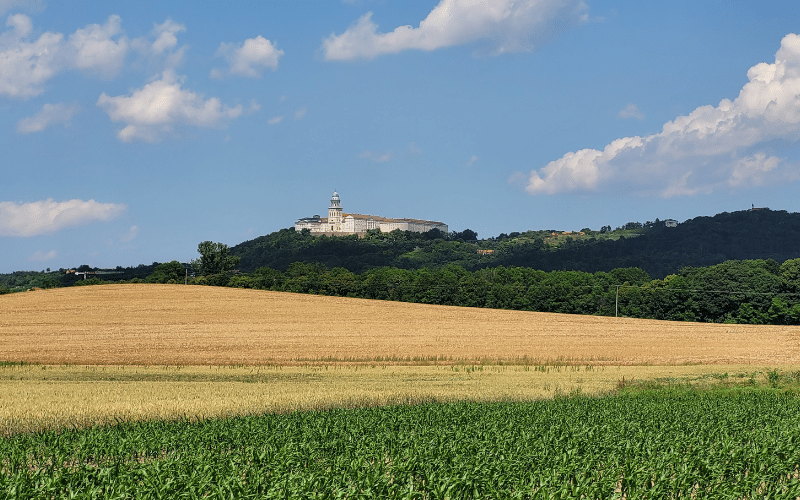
x: 157, y: 391
x: 34, y: 397
x: 89, y: 355
x: 193, y: 325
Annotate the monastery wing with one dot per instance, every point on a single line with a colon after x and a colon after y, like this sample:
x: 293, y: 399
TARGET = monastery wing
x: 338, y: 222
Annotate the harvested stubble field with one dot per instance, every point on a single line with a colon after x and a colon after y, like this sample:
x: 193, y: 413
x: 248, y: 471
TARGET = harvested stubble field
x: 191, y: 325
x: 132, y: 352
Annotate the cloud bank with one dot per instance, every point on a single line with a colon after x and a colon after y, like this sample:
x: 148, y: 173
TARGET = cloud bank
x: 728, y: 146
x: 505, y: 25
x: 154, y: 110
x: 48, y: 216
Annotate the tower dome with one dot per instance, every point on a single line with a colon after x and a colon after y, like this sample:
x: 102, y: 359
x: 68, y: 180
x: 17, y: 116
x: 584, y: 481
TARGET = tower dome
x: 335, y: 214
x: 335, y: 202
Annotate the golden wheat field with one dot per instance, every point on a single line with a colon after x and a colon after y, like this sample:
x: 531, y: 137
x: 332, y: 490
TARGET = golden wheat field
x: 193, y: 325
x: 35, y: 397
x: 105, y: 353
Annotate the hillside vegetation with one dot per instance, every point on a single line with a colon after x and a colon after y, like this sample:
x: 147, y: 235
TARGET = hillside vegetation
x: 587, y: 272
x: 652, y: 246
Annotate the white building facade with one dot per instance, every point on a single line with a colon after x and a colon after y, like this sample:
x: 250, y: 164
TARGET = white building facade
x: 339, y: 222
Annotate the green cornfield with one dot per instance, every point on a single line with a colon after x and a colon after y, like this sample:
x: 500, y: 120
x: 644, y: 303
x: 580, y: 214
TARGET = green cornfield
x: 650, y: 444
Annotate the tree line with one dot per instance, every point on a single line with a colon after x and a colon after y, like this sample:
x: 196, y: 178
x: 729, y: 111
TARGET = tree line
x: 214, y: 258
x: 749, y: 291
x: 756, y: 291
x: 20, y: 281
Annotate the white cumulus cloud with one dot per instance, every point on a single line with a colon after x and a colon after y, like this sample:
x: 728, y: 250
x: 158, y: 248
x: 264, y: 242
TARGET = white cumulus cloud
x: 250, y: 58
x: 713, y: 147
x: 51, y: 114
x: 166, y: 36
x: 154, y: 110
x: 26, y: 64
x: 95, y: 49
x: 505, y: 25
x: 161, y: 45
x: 48, y: 216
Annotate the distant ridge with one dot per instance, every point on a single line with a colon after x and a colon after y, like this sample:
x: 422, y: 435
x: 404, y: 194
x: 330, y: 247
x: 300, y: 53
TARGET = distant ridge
x: 659, y: 250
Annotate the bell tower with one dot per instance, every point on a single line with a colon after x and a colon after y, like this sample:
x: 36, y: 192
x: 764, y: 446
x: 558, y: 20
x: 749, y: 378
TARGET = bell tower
x: 335, y: 214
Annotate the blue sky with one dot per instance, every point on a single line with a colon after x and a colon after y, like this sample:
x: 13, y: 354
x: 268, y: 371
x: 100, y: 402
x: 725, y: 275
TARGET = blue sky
x: 132, y: 131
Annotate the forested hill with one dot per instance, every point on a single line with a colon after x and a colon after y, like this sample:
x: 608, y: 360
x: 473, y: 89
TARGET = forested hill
x: 698, y: 242
x: 657, y: 249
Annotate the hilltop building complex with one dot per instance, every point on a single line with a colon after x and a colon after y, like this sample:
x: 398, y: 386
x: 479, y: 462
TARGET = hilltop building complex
x: 339, y: 222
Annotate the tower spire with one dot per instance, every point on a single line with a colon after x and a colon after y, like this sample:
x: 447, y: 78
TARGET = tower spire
x: 335, y: 214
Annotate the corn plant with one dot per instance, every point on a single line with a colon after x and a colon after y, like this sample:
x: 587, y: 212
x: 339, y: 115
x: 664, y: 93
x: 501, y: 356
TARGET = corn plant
x: 662, y: 444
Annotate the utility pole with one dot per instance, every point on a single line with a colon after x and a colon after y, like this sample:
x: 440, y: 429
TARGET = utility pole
x: 616, y: 303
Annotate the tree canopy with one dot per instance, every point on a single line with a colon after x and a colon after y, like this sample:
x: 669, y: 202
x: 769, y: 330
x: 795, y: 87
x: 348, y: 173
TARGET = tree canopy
x: 750, y: 291
x: 215, y: 258
x: 168, y: 272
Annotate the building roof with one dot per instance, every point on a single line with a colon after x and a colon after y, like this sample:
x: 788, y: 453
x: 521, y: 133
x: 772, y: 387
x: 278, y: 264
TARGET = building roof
x: 316, y: 218
x: 389, y: 219
x: 419, y: 221
x: 368, y: 217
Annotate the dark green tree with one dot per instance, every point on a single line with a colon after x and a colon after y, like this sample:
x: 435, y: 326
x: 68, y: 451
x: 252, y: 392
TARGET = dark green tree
x: 169, y: 272
x: 214, y: 258
x: 465, y: 235
x: 340, y: 282
x: 790, y: 274
x: 779, y: 312
x: 267, y: 278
